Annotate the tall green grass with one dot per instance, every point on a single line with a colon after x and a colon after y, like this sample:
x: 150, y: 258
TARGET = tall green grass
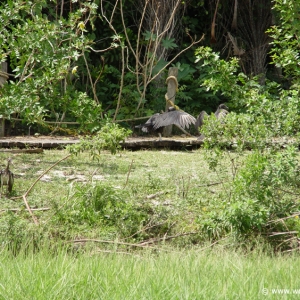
x: 209, y: 274
x: 116, y: 206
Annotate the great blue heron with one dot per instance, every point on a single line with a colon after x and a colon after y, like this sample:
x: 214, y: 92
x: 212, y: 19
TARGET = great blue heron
x: 220, y: 114
x: 7, y: 177
x: 172, y: 117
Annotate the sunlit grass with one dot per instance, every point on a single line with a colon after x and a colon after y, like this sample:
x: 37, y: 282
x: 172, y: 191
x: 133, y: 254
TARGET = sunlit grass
x: 215, y: 274
x: 44, y: 262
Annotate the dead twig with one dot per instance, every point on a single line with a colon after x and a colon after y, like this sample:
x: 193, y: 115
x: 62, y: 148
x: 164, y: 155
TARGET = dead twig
x: 128, y: 174
x: 28, y: 191
x: 288, y: 241
x: 105, y: 242
x: 285, y: 218
x: 282, y: 233
x: 145, y: 228
x: 152, y: 241
x: 288, y: 192
x: 210, y: 184
x: 19, y: 209
x: 152, y: 196
x: 133, y: 119
x: 31, y: 187
x: 290, y: 250
x: 117, y: 243
x: 184, y: 131
x: 30, y: 211
x: 202, y: 249
x: 115, y: 252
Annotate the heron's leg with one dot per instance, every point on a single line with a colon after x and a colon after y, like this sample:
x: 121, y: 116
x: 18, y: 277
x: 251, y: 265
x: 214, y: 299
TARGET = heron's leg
x: 159, y: 134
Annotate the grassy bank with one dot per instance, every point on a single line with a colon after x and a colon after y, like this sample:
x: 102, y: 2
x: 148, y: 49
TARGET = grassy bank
x: 148, y: 198
x: 151, y: 192
x: 140, y: 225
x: 215, y: 274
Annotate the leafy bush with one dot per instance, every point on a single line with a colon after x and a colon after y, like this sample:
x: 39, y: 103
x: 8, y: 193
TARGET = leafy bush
x: 285, y: 40
x: 262, y: 190
x: 108, y: 137
x: 44, y: 55
x: 267, y: 108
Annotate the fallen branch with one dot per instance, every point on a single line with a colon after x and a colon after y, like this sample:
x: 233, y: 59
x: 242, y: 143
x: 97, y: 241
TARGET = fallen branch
x: 145, y: 228
x: 114, y: 252
x: 20, y: 209
x: 133, y: 119
x: 210, y: 184
x: 31, y: 187
x: 216, y: 242
x: 45, y: 173
x: 166, y: 238
x: 288, y: 192
x: 282, y: 233
x: 115, y: 243
x: 105, y: 242
x: 285, y: 218
x: 290, y: 250
x: 151, y: 196
x: 288, y: 241
x: 47, y: 122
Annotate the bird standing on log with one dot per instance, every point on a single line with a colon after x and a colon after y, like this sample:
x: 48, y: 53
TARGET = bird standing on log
x: 220, y: 114
x: 7, y: 177
x: 172, y: 117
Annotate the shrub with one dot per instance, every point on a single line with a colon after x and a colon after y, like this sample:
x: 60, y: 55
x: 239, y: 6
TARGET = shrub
x: 107, y: 138
x: 263, y: 189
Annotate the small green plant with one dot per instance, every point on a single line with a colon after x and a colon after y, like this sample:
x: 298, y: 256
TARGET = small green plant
x: 108, y: 137
x: 108, y: 207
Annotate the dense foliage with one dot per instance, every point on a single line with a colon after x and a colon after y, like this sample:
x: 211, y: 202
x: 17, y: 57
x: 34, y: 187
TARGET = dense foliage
x: 72, y: 61
x: 86, y: 62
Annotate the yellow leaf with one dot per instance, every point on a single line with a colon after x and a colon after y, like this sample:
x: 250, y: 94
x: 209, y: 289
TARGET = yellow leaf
x: 74, y: 70
x: 81, y: 25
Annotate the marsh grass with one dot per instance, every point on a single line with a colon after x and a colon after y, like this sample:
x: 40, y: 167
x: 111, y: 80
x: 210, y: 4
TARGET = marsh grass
x: 193, y: 274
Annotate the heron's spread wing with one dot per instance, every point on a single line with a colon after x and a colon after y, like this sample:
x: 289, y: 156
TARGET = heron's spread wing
x: 148, y: 126
x: 176, y: 117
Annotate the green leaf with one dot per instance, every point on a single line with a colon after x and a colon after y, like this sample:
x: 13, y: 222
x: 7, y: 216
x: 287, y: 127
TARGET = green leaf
x: 169, y: 43
x: 149, y: 36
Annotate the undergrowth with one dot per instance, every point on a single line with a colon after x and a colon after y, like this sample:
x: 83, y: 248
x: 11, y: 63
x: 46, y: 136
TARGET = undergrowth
x: 151, y: 198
